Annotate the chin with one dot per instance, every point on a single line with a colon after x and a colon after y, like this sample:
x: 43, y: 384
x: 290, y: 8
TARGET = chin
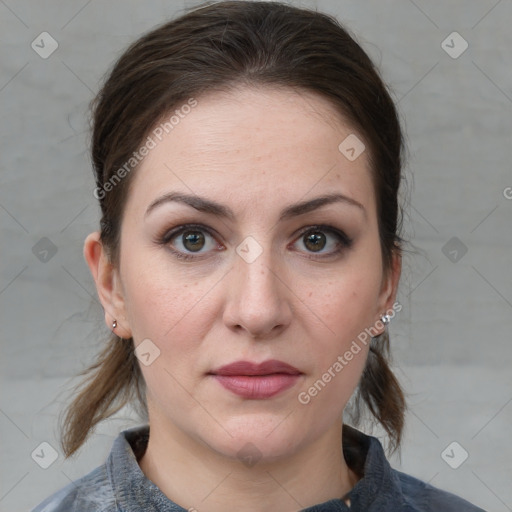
x: 249, y: 440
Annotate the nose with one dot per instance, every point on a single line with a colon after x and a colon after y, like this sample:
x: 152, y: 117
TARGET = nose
x: 258, y: 298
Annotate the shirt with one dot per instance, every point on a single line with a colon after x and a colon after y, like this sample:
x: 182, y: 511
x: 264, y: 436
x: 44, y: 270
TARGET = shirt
x: 120, y: 485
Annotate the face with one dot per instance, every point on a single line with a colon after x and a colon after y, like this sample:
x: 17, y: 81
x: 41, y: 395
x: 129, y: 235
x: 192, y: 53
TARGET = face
x: 251, y: 278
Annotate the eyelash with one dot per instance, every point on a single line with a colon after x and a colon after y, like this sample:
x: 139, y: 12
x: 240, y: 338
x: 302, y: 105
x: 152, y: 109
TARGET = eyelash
x: 344, y: 242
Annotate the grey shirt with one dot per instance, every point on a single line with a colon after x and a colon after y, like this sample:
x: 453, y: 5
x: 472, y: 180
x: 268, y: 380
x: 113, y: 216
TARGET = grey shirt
x: 120, y: 485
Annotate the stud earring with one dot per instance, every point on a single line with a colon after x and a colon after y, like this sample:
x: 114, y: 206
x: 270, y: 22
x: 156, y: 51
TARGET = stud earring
x: 385, y: 319
x: 114, y: 324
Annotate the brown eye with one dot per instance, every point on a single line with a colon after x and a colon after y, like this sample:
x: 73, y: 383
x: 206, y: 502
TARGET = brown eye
x: 315, y: 241
x: 189, y: 242
x: 193, y: 240
x: 324, y: 241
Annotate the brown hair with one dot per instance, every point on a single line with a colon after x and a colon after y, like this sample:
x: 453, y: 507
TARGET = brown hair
x: 217, y: 47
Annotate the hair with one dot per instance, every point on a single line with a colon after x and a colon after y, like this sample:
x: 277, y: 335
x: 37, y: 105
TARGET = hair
x: 219, y: 47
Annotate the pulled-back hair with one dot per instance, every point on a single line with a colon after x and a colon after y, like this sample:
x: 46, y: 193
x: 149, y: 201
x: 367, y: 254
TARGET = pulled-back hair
x: 218, y: 47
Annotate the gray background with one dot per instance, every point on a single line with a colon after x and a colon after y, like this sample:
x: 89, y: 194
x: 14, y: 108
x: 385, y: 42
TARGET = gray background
x: 451, y: 342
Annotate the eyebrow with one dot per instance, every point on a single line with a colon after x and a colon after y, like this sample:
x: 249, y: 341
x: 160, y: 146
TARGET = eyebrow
x: 208, y: 206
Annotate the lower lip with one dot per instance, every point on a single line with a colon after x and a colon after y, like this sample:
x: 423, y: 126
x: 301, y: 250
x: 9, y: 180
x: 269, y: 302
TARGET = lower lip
x: 258, y: 386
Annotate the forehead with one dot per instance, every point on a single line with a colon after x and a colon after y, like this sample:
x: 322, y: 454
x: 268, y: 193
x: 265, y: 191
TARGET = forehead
x: 265, y: 142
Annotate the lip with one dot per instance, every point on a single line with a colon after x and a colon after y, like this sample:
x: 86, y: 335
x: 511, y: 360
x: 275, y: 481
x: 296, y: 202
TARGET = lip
x: 269, y: 367
x: 257, y: 381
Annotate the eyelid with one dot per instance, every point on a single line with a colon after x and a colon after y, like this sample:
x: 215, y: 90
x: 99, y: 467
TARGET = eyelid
x: 171, y: 233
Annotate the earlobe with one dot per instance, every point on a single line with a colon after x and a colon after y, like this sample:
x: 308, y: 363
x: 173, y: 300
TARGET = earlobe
x: 107, y: 286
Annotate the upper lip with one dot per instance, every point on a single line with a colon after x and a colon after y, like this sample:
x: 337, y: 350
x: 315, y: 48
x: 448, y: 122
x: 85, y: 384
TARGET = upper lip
x: 269, y: 367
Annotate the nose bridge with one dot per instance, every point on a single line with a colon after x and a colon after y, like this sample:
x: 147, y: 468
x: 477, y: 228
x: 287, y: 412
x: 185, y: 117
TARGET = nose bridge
x: 258, y: 277
x: 258, y: 299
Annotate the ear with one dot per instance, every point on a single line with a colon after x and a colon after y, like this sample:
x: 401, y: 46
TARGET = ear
x: 108, y: 284
x: 390, y: 281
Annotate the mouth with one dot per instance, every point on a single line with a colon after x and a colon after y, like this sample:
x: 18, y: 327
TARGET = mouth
x: 257, y: 381
x: 248, y: 368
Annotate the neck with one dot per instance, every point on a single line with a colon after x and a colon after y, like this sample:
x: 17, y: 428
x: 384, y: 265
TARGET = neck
x: 195, y: 476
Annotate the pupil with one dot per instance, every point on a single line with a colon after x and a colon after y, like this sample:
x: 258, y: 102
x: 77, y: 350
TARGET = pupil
x: 317, y: 241
x: 194, y: 237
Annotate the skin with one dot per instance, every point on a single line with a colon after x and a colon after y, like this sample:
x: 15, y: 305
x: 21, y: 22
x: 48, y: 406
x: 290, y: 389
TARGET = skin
x: 255, y: 151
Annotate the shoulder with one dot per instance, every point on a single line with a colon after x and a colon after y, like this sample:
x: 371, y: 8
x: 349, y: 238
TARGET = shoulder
x: 421, y: 496
x: 385, y: 489
x: 92, y: 492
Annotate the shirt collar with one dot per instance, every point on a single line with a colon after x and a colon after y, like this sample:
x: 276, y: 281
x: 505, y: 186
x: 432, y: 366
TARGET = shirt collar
x: 380, y: 487
x: 378, y: 484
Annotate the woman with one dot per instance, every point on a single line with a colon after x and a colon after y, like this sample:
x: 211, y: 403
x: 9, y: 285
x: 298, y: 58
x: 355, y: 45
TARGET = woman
x: 248, y: 161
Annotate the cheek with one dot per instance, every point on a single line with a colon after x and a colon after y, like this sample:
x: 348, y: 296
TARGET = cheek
x: 347, y: 305
x: 346, y: 315
x: 339, y: 350
x: 162, y: 301
x: 176, y: 316
x: 161, y: 308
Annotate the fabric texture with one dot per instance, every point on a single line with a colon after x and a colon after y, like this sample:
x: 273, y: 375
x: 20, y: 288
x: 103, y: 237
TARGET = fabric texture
x: 120, y: 485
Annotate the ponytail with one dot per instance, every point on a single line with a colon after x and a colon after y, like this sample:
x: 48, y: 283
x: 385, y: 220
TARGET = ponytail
x: 381, y: 392
x: 113, y: 381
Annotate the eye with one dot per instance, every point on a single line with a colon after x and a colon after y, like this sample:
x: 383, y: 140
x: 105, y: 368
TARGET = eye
x: 187, y: 242
x: 317, y: 238
x: 193, y: 241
